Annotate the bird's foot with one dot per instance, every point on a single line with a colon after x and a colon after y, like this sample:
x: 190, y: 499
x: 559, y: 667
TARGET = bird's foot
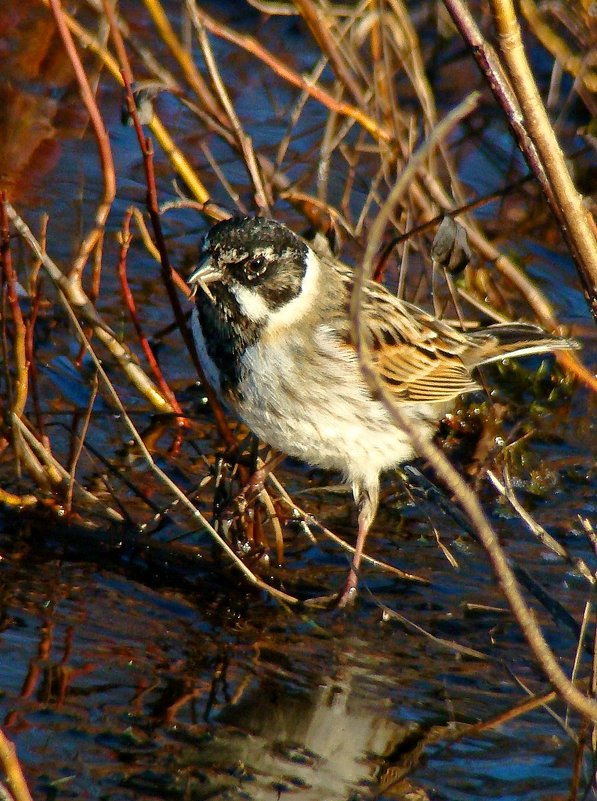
x: 340, y: 600
x: 348, y: 593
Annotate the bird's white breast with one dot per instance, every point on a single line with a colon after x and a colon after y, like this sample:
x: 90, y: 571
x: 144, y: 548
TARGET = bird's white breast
x: 306, y: 398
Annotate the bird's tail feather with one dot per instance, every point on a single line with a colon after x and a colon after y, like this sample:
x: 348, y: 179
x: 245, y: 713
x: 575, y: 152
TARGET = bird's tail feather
x: 516, y: 339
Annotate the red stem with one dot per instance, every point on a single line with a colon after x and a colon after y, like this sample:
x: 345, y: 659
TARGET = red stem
x: 131, y: 306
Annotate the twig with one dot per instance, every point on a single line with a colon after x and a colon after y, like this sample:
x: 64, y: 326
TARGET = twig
x: 103, y: 142
x: 17, y: 501
x: 320, y: 29
x: 79, y: 301
x: 308, y: 518
x: 9, y: 279
x: 442, y: 466
x: 154, y: 212
x: 528, y: 119
x: 252, y: 46
x: 58, y: 476
x: 12, y: 768
x: 125, y: 241
x: 166, y: 267
x: 441, y: 642
x: 185, y: 60
x: 79, y: 445
x: 243, y: 140
x: 578, y: 65
x: 578, y: 227
x: 176, y: 157
x: 548, y: 541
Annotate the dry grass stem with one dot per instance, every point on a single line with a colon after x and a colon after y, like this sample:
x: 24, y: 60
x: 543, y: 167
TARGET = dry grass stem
x: 577, y: 225
x: 548, y: 541
x: 442, y: 466
x: 73, y: 297
x: 105, y: 152
x: 13, y: 771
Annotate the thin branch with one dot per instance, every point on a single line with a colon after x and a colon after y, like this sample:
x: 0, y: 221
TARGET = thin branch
x: 244, y: 142
x: 103, y: 143
x: 12, y: 768
x: 125, y: 241
x: 442, y: 466
x: 78, y: 300
x: 524, y: 109
x: 167, y: 271
x: 252, y: 46
x: 80, y: 444
x: 9, y: 279
x: 184, y: 59
x: 321, y: 32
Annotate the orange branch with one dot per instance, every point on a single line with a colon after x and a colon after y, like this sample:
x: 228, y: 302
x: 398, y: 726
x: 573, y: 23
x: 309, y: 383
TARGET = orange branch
x: 103, y: 142
x: 129, y: 300
x: 252, y: 46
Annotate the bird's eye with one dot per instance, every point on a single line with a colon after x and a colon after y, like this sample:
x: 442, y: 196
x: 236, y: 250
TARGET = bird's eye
x: 254, y: 267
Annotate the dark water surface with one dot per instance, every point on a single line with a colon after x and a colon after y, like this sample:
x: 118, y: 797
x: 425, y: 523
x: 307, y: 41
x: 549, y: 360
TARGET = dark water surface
x: 112, y: 689
x: 117, y: 681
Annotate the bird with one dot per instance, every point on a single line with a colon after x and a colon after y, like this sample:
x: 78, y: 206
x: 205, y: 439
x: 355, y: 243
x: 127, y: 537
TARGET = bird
x: 271, y: 326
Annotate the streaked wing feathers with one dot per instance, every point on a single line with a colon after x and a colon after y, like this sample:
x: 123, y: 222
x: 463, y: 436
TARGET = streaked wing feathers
x: 430, y: 371
x: 423, y: 359
x: 411, y: 374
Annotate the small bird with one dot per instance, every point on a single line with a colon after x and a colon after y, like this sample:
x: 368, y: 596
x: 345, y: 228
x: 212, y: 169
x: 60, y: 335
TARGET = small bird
x: 272, y: 330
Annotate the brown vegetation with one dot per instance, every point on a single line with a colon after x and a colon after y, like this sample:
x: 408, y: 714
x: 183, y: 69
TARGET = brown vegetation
x: 364, y: 151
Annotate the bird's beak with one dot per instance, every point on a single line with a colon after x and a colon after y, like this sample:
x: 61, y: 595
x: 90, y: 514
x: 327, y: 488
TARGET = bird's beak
x: 205, y: 274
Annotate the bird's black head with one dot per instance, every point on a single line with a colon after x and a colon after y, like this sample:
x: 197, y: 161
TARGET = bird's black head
x: 260, y: 265
x: 254, y: 275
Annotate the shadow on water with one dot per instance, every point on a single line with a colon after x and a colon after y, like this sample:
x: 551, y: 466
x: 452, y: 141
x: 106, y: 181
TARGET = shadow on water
x: 129, y: 670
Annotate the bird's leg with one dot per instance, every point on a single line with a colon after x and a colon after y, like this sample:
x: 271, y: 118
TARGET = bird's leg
x: 367, y: 499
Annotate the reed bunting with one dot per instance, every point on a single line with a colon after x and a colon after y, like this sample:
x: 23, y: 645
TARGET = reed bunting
x: 272, y: 331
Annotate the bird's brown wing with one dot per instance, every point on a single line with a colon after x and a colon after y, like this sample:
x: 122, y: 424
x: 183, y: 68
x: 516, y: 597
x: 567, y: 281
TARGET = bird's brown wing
x: 410, y: 374
x: 421, y: 358
x: 418, y: 357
